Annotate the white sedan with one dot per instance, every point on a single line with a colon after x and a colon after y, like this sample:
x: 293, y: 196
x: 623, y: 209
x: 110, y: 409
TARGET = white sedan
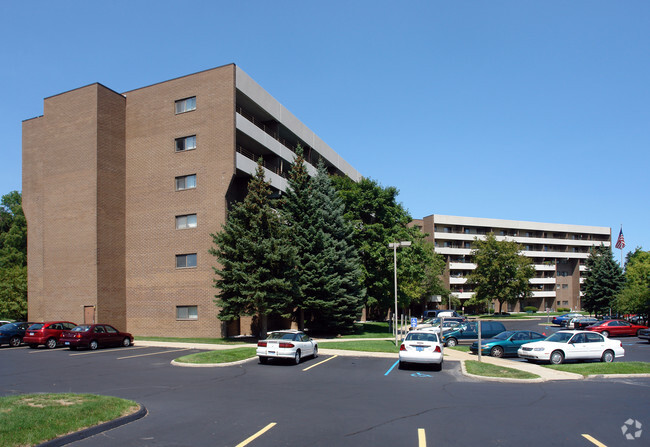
x: 421, y: 346
x: 288, y: 344
x: 572, y: 345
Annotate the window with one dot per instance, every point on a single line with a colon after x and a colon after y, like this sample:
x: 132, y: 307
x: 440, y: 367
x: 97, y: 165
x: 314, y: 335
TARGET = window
x: 187, y: 313
x: 186, y: 221
x: 565, y: 286
x: 185, y: 182
x: 185, y: 105
x: 186, y: 143
x: 186, y: 261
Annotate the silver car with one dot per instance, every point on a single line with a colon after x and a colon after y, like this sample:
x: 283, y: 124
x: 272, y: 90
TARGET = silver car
x: 286, y: 344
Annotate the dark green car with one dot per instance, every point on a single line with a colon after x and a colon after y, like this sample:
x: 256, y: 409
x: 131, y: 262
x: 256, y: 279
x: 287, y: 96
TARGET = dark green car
x: 506, y: 343
x: 468, y: 330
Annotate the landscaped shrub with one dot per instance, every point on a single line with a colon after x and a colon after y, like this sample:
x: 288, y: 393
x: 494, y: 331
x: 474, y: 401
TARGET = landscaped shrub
x: 564, y: 309
x: 530, y: 309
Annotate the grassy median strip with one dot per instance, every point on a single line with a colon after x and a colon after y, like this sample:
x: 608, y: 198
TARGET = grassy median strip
x: 460, y: 348
x: 361, y: 345
x: 590, y: 369
x: 31, y: 419
x: 222, y: 356
x: 214, y: 341
x: 489, y: 370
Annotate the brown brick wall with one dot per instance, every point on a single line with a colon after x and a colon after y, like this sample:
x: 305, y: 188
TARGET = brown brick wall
x: 154, y: 287
x: 60, y: 176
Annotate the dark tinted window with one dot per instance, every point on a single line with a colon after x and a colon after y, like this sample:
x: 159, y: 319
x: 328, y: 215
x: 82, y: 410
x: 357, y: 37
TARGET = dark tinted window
x: 35, y: 327
x: 594, y: 338
x: 111, y: 329
x: 82, y: 328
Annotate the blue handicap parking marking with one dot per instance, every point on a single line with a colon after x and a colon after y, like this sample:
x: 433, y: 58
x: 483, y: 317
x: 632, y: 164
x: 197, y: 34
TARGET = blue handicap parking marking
x: 421, y: 375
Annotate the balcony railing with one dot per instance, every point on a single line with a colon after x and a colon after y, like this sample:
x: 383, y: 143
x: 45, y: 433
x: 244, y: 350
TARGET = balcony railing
x: 310, y: 155
x: 255, y: 157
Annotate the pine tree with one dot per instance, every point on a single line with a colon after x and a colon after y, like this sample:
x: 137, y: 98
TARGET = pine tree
x: 256, y: 273
x: 603, y: 280
x: 333, y: 288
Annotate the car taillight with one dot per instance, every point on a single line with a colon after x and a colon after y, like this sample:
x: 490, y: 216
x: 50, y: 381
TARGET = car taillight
x: 78, y: 336
x: 402, y: 348
x: 261, y: 344
x: 286, y: 345
x: 437, y: 349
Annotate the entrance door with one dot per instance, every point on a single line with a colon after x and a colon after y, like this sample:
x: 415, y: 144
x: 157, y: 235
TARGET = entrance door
x: 89, y: 314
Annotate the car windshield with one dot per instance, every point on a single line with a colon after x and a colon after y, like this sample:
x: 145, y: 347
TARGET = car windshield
x: 280, y: 336
x: 560, y: 337
x: 81, y: 329
x: 432, y: 337
x: 35, y: 327
x: 432, y: 321
x: 8, y: 326
x: 503, y: 335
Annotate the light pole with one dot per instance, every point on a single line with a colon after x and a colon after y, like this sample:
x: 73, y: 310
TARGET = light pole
x: 394, y: 246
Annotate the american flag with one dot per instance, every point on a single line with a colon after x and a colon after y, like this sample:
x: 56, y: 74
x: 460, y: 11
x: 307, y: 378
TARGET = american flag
x: 620, y: 243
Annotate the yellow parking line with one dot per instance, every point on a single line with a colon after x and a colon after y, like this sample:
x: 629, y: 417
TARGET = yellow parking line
x: 96, y: 352
x: 152, y: 353
x: 256, y: 435
x: 319, y: 363
x: 594, y: 441
x: 422, y: 438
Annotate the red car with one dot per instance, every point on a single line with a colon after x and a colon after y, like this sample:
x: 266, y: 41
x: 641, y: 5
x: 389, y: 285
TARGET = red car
x: 616, y: 328
x: 47, y: 333
x: 93, y: 336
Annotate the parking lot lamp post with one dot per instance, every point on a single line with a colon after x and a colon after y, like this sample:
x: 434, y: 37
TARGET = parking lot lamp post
x: 394, y: 246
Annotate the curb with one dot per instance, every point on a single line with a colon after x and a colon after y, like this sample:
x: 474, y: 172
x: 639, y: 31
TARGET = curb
x: 92, y: 431
x: 463, y: 370
x: 211, y: 365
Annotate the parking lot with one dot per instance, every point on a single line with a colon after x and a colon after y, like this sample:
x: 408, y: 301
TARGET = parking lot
x: 328, y: 401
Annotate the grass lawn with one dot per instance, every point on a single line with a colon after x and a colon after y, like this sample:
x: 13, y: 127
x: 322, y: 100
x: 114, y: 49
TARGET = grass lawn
x: 489, y: 370
x: 361, y: 345
x: 459, y: 348
x: 588, y: 369
x: 214, y: 341
x: 31, y: 419
x: 223, y: 356
x: 370, y: 330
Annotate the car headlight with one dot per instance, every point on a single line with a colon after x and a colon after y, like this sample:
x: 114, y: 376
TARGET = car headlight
x: 538, y: 349
x: 485, y: 346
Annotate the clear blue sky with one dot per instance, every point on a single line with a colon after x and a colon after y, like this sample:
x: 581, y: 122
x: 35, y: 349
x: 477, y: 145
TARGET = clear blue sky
x: 524, y: 110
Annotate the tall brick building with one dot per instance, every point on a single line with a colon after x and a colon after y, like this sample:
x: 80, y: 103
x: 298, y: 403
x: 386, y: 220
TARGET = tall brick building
x: 122, y: 191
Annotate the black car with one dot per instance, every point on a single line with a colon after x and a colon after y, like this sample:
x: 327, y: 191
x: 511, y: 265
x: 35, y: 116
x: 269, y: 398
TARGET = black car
x: 581, y: 323
x: 644, y: 334
x: 12, y: 333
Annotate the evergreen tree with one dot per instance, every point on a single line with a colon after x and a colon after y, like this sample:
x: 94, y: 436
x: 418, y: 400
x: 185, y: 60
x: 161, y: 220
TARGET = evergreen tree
x: 298, y: 215
x: 256, y: 273
x: 13, y: 258
x: 501, y: 272
x: 330, y: 280
x: 603, y: 280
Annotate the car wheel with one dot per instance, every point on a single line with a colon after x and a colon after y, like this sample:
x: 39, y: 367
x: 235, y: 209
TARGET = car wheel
x: 451, y: 342
x: 126, y: 342
x: 14, y: 342
x: 557, y: 357
x: 33, y: 346
x: 93, y: 345
x: 400, y: 365
x: 315, y: 352
x: 608, y: 357
x: 437, y: 366
x: 638, y: 332
x: 296, y: 358
x: 497, y: 351
x: 605, y: 333
x: 50, y: 343
x: 264, y: 360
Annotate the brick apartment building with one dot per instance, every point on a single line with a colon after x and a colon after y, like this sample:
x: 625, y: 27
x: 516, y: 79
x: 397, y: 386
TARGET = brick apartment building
x: 122, y: 190
x: 558, y: 253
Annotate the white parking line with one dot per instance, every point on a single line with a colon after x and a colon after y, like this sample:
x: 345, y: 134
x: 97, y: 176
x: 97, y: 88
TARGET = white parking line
x: 256, y: 435
x: 320, y: 363
x: 152, y: 353
x: 97, y: 352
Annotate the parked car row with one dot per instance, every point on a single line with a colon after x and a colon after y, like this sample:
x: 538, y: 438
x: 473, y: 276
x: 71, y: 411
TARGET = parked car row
x: 63, y: 333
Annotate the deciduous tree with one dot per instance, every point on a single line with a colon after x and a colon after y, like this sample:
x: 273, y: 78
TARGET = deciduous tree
x: 13, y: 257
x: 501, y: 273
